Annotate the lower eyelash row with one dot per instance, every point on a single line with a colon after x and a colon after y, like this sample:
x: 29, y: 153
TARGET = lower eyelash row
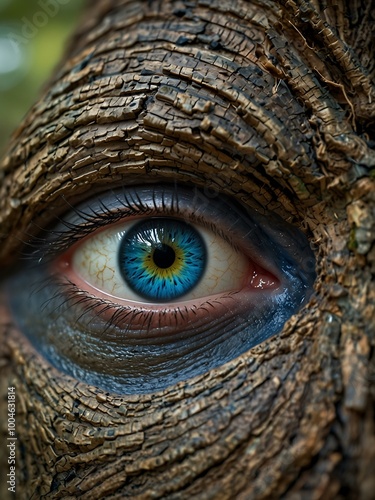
x: 117, y: 317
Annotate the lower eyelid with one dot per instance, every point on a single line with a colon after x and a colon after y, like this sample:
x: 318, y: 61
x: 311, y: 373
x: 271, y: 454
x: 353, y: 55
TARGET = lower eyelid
x: 151, y: 321
x: 71, y: 331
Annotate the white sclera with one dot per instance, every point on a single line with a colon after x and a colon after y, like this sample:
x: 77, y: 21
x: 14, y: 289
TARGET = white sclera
x: 95, y: 261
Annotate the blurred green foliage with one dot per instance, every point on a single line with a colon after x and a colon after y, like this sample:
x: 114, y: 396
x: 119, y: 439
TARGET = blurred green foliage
x: 37, y: 30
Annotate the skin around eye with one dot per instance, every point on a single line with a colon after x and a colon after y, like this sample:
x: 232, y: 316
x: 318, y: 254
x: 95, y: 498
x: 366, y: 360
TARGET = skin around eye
x: 78, y: 305
x: 160, y: 260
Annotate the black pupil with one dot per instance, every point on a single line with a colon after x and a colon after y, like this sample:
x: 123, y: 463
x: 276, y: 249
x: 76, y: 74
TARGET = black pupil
x: 164, y: 256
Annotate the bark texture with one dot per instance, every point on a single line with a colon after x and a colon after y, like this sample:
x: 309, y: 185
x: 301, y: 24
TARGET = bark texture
x: 270, y: 102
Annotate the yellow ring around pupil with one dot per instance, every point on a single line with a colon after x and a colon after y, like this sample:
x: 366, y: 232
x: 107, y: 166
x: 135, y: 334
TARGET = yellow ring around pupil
x: 165, y: 273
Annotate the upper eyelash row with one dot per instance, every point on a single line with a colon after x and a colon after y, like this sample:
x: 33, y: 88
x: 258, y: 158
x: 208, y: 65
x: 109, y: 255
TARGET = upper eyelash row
x: 56, y: 241
x: 42, y: 249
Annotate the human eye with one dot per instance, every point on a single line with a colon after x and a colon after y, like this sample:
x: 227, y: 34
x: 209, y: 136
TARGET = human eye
x: 142, y: 287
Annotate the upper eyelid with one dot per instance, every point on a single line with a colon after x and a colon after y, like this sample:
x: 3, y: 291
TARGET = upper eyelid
x: 109, y: 208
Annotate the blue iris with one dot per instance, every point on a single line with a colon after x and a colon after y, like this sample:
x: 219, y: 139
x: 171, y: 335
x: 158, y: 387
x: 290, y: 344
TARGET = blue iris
x: 162, y: 258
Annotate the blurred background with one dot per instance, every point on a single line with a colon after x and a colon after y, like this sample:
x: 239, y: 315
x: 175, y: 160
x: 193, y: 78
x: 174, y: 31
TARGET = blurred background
x: 33, y: 34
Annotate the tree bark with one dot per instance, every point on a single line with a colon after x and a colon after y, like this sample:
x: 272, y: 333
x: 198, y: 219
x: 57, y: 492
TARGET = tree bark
x: 270, y: 102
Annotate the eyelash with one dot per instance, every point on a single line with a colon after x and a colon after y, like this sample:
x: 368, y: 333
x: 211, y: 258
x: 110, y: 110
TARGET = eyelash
x: 43, y: 250
x: 74, y: 295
